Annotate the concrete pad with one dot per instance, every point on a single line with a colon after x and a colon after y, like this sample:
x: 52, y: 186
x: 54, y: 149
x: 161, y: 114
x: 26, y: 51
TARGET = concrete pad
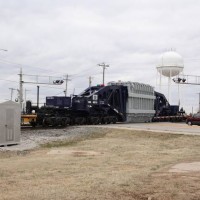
x: 186, y: 167
x: 164, y: 127
x: 73, y: 152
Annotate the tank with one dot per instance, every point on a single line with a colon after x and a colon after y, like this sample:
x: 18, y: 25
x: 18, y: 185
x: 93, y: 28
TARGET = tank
x: 170, y: 64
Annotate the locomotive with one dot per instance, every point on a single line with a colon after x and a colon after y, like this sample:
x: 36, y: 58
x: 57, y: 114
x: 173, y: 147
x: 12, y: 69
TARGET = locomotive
x: 117, y: 102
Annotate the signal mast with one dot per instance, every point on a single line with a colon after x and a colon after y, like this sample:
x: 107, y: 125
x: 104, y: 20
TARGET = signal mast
x: 188, y: 80
x: 57, y: 81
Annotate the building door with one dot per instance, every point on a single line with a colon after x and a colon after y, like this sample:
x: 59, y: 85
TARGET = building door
x: 9, y: 124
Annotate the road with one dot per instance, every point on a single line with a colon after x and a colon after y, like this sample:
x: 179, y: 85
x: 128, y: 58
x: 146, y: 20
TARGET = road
x: 177, y: 128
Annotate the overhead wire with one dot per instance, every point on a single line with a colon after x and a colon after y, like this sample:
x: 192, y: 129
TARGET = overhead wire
x: 8, y: 80
x: 73, y: 76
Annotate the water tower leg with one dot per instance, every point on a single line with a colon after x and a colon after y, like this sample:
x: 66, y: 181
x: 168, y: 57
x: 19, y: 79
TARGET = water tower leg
x: 169, y: 86
x: 160, y: 80
x: 179, y: 95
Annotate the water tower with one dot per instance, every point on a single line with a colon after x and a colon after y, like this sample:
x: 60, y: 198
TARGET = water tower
x: 170, y: 64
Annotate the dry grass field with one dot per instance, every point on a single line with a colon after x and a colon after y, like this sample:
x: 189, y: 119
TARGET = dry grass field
x: 117, y: 164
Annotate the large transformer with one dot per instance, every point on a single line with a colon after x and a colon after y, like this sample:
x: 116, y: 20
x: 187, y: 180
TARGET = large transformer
x: 140, y: 101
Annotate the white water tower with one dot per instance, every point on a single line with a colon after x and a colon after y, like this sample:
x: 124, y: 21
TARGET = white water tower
x: 170, y: 64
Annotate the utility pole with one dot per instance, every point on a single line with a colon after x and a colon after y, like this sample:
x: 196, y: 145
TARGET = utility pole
x: 20, y: 88
x: 11, y: 95
x: 199, y: 102
x: 25, y: 90
x: 66, y: 82
x: 90, y: 81
x: 103, y: 65
x: 38, y: 94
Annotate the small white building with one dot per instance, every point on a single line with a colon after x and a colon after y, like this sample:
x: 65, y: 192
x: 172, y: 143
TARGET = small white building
x: 10, y: 117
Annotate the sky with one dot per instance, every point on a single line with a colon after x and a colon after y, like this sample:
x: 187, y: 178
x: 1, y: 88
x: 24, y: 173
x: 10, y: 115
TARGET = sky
x: 59, y: 37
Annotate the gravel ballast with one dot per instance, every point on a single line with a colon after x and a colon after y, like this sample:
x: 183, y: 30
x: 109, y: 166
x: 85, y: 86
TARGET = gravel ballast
x: 31, y: 139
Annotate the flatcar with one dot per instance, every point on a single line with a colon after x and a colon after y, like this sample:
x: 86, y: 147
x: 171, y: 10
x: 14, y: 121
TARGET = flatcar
x: 117, y: 102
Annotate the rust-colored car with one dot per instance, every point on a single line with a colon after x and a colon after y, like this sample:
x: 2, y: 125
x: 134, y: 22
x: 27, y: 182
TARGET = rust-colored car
x: 193, y: 120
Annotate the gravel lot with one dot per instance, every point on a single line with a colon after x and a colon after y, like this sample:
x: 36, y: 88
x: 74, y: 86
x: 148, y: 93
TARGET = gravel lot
x: 31, y: 139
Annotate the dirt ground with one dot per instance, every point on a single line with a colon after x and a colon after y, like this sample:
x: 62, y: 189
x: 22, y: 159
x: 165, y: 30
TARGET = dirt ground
x: 116, y: 164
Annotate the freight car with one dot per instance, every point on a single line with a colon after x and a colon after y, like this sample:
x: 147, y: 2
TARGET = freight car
x: 116, y: 102
x: 166, y: 112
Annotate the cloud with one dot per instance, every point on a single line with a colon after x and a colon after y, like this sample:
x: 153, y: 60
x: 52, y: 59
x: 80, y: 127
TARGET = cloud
x: 71, y: 37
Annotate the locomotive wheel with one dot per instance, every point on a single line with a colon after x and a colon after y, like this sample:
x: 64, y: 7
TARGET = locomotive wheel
x: 44, y: 122
x: 76, y: 120
x: 98, y: 120
x: 108, y: 120
x: 102, y: 121
x: 105, y: 120
x: 82, y: 120
x: 114, y: 120
x: 67, y: 120
x: 54, y: 122
x: 33, y: 124
x: 63, y: 122
x: 94, y: 120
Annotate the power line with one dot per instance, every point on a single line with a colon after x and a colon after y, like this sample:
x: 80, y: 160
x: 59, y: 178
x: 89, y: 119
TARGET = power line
x: 8, y: 80
x: 19, y: 65
x: 43, y: 68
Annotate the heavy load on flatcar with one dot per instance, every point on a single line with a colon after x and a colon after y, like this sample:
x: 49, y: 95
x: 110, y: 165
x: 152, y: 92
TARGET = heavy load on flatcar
x: 140, y: 101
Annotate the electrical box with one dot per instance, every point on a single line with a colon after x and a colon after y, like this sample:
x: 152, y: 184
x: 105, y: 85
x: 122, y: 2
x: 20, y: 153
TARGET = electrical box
x: 10, y: 116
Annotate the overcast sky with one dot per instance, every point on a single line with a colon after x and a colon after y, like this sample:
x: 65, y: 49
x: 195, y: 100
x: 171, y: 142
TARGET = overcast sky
x: 58, y: 37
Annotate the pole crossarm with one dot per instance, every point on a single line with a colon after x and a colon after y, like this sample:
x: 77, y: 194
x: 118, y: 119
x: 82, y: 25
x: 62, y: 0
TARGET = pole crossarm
x: 38, y: 83
x: 52, y: 80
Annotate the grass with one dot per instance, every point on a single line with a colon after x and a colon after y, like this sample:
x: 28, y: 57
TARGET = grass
x: 132, y: 165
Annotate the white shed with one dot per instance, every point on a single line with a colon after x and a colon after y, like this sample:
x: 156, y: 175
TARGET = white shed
x: 10, y: 116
